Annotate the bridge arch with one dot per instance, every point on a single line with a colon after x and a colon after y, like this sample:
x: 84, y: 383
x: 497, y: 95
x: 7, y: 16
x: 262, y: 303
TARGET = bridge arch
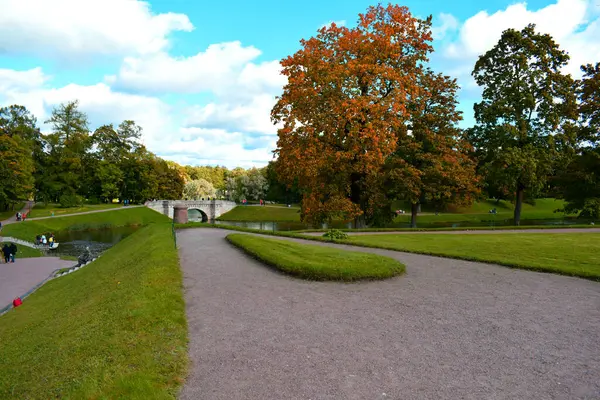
x: 212, y: 208
x: 195, y: 214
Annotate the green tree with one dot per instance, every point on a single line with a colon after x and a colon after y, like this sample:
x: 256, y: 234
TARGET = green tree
x: 526, y: 102
x: 197, y: 189
x: 431, y: 164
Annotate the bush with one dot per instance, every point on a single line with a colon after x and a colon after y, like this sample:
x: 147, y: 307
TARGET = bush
x: 335, y: 234
x: 70, y: 200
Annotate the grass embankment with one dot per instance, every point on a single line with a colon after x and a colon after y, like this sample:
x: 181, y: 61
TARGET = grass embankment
x: 576, y: 254
x: 113, y: 330
x: 264, y: 213
x: 316, y: 262
x: 122, y: 217
x: 45, y: 210
x: 479, y: 212
x: 11, y: 214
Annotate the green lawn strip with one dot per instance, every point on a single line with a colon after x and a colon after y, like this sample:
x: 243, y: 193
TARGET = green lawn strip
x: 11, y: 214
x: 316, y: 262
x: 575, y: 254
x: 24, y: 251
x: 45, y: 210
x: 28, y: 230
x: 567, y: 256
x: 115, y: 329
x: 461, y: 228
x: 264, y: 213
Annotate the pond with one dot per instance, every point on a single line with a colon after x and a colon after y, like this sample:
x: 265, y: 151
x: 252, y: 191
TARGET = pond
x: 74, y: 243
x: 294, y: 226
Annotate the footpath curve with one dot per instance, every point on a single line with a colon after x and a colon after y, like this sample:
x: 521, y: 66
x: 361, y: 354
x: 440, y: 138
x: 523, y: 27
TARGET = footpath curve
x: 446, y: 329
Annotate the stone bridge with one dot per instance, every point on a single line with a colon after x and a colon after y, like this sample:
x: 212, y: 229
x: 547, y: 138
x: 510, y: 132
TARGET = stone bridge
x: 209, y: 209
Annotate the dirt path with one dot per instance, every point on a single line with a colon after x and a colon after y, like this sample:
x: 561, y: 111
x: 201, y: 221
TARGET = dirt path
x: 13, y: 219
x: 448, y: 329
x: 18, y: 278
x: 469, y: 232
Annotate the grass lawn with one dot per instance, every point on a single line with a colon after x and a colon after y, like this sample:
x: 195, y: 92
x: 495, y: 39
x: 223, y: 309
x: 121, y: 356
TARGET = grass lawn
x: 113, y: 330
x: 317, y: 262
x: 265, y: 213
x: 576, y: 254
x: 121, y: 217
x: 45, y: 210
x: 11, y: 213
x: 478, y: 212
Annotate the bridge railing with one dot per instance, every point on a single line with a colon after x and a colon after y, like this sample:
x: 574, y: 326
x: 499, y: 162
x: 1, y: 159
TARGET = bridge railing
x: 18, y: 241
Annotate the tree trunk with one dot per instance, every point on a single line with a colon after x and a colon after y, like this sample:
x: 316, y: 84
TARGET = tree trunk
x: 518, y: 206
x: 359, y: 222
x: 414, y: 209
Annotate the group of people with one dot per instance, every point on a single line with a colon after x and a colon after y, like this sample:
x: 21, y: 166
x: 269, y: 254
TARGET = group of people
x: 43, y: 240
x: 8, y: 252
x: 21, y: 216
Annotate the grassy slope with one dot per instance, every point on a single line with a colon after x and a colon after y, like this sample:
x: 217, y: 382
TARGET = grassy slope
x: 46, y: 210
x: 265, y: 213
x: 316, y: 262
x: 122, y: 217
x: 576, y: 254
x: 113, y: 330
x: 543, y: 209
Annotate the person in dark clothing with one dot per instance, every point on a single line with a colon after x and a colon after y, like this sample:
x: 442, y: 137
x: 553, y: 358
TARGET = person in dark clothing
x: 6, y: 253
x: 13, y: 252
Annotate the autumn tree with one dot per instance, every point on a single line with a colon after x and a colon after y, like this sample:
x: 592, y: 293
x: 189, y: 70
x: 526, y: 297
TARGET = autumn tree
x: 526, y: 102
x: 431, y: 163
x: 344, y: 102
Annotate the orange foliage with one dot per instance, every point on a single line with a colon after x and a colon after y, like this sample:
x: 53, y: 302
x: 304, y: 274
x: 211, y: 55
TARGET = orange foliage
x: 345, y: 102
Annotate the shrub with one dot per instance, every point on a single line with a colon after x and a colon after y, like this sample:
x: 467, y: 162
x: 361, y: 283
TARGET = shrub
x: 335, y: 234
x: 70, y: 200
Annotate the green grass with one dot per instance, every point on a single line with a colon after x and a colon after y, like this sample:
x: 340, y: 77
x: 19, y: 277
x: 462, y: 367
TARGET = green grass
x: 24, y: 251
x: 115, y: 329
x: 265, y: 213
x: 11, y: 214
x: 576, y: 254
x: 478, y: 212
x: 45, y: 210
x: 122, y: 217
x: 316, y: 262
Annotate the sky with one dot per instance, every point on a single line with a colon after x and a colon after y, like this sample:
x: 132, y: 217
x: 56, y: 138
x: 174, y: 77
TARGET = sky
x: 201, y: 77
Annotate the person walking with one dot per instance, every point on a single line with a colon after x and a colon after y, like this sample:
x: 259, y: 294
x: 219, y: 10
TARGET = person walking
x: 6, y: 253
x: 13, y: 252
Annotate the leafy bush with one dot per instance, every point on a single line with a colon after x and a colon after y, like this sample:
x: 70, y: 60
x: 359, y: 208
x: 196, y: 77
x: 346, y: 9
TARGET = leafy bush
x: 335, y: 234
x: 70, y: 200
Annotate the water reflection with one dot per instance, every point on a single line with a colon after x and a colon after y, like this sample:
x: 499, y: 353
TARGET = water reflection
x: 74, y: 243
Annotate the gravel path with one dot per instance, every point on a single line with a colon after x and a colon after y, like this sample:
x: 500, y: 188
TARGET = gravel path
x: 18, y: 278
x: 448, y: 329
x: 470, y: 232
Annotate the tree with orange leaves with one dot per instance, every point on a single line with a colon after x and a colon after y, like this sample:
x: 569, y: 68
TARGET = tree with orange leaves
x: 343, y: 107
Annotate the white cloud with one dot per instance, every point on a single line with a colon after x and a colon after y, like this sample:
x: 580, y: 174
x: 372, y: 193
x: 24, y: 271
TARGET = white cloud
x: 341, y: 22
x: 252, y: 116
x: 224, y: 69
x: 448, y: 23
x: 11, y: 80
x: 163, y: 132
x: 570, y: 22
x: 83, y: 27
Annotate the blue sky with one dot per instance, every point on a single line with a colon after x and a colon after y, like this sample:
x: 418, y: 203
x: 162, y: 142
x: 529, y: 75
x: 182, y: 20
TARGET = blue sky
x: 201, y: 78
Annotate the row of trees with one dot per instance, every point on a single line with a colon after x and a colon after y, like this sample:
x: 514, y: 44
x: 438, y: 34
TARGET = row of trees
x: 366, y: 121
x: 72, y: 164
